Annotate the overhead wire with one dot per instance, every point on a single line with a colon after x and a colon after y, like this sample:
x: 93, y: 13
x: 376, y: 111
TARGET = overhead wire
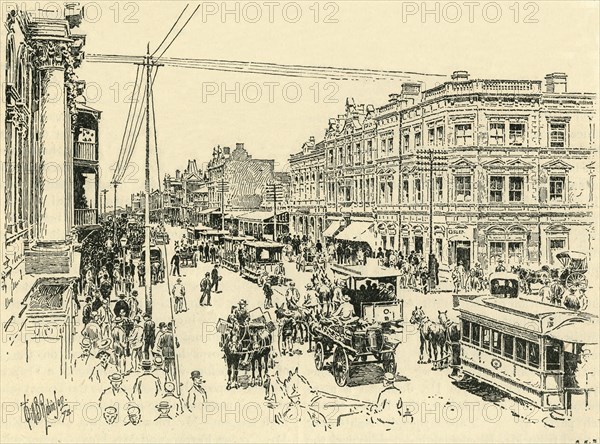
x: 179, y: 32
x: 170, y: 30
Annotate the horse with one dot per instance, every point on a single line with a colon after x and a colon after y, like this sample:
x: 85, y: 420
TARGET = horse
x: 431, y: 334
x: 287, y: 329
x: 231, y: 348
x: 452, y: 339
x: 260, y: 358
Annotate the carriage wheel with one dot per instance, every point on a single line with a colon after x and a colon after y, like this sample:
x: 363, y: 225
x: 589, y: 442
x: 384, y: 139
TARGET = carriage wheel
x: 319, y: 356
x: 576, y: 280
x: 389, y: 363
x: 341, y: 366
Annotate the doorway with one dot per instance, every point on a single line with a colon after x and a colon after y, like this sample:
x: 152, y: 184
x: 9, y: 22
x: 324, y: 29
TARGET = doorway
x: 463, y: 254
x: 418, y: 244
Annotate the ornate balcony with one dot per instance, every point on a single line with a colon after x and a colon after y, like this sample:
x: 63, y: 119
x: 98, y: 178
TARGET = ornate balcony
x: 86, y: 216
x: 85, y: 151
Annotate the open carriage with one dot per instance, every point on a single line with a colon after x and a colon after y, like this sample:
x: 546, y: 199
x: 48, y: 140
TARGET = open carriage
x: 574, y: 268
x: 373, y: 336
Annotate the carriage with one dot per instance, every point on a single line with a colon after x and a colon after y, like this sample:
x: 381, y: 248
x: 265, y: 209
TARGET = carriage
x: 373, y: 336
x: 231, y: 246
x: 157, y: 263
x: 160, y: 236
x: 574, y: 268
x: 261, y: 260
x: 306, y: 260
x: 187, y: 257
x: 501, y: 284
x: 527, y: 349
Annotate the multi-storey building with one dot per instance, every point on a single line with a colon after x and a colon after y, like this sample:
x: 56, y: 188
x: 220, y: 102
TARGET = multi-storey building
x: 50, y: 149
x: 480, y: 170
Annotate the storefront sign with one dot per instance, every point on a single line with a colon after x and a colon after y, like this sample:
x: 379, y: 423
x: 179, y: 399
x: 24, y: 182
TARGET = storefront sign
x: 459, y: 233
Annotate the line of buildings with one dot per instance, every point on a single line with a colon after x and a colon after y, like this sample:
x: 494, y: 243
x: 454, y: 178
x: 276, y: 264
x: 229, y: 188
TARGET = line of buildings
x: 50, y: 180
x: 481, y: 170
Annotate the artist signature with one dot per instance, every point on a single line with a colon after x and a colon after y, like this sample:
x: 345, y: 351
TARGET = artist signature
x: 43, y: 410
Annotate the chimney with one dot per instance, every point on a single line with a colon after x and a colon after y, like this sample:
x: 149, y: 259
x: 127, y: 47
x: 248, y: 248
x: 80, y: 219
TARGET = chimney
x: 460, y: 76
x: 411, y: 89
x: 177, y: 174
x: 239, y: 146
x: 226, y: 151
x: 556, y: 82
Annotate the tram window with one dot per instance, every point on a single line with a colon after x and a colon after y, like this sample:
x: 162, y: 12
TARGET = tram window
x: 521, y: 349
x: 553, y: 356
x: 533, y: 354
x: 475, y: 333
x: 509, y: 346
x: 496, y: 345
x: 466, y: 331
x: 485, y: 337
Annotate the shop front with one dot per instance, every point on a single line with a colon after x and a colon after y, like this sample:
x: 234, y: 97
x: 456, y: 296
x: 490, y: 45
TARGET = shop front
x: 460, y: 246
x: 508, y: 245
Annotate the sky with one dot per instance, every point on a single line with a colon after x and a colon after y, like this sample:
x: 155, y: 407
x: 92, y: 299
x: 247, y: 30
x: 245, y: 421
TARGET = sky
x: 503, y: 40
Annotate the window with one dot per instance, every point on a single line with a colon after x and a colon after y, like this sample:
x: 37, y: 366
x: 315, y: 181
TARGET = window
x: 331, y: 159
x: 349, y: 154
x: 485, y: 337
x: 496, y: 251
x: 557, y: 244
x: 418, y: 195
x: 520, y: 349
x: 405, y: 193
x: 497, y: 133
x: 557, y: 188
x: 369, y: 150
x: 515, y: 253
x: 439, y: 188
x: 533, y: 354
x: 475, y: 333
x: 391, y: 144
x: 417, y: 139
x: 516, y: 134
x: 440, y: 135
x: 464, y: 134
x: 496, y: 188
x: 358, y: 152
x: 340, y: 156
x: 406, y: 142
x: 509, y: 346
x: 496, y: 344
x: 558, y: 135
x: 553, y: 356
x: 462, y: 188
x: 515, y: 189
x: 466, y: 331
x: 431, y: 136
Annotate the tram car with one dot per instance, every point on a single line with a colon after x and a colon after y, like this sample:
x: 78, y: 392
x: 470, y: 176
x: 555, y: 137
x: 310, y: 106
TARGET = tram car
x: 231, y: 246
x: 212, y: 236
x: 193, y: 234
x: 501, y: 284
x: 261, y: 258
x: 527, y: 349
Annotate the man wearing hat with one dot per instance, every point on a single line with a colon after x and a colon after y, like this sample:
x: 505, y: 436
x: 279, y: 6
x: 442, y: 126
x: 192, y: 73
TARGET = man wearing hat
x: 149, y: 335
x: 178, y: 293
x: 292, y: 296
x: 500, y: 266
x: 311, y: 300
x: 205, y: 285
x: 167, y: 347
x: 163, y: 408
x: 338, y: 295
x: 146, y: 385
x: 122, y: 306
x: 92, y: 330
x: 215, y: 278
x: 345, y: 312
x: 241, y: 314
x: 114, y: 395
x: 196, y: 396
x: 134, y: 304
x: 172, y: 399
x: 83, y: 359
x: 388, y: 409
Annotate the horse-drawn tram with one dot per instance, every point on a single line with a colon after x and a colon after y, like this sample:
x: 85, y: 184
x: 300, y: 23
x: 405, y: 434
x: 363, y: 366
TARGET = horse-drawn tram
x: 231, y: 246
x: 261, y: 258
x: 193, y: 234
x: 212, y: 236
x: 372, y: 333
x: 526, y: 348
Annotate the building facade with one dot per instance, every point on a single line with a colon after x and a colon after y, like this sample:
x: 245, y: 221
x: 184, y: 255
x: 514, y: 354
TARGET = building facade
x: 476, y: 170
x: 51, y: 146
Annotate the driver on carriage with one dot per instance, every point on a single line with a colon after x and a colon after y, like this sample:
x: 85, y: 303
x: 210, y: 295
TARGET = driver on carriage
x: 292, y: 297
x: 241, y: 315
x: 345, y: 312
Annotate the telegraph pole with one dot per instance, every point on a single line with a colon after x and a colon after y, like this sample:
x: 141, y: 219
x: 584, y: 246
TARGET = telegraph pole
x: 148, y: 275
x: 115, y: 214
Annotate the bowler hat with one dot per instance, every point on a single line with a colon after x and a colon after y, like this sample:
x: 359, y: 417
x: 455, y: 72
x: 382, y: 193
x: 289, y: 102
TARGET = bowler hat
x: 163, y: 405
x: 197, y: 374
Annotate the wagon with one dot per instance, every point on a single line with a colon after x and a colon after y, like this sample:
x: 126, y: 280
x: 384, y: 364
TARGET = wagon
x: 373, y: 337
x: 574, y: 268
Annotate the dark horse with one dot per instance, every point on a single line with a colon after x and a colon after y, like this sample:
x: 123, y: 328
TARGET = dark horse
x: 260, y: 358
x: 431, y: 334
x: 232, y: 347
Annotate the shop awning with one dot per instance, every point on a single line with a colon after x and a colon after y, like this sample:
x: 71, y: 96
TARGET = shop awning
x: 332, y: 228
x: 208, y: 211
x: 358, y: 232
x: 581, y: 332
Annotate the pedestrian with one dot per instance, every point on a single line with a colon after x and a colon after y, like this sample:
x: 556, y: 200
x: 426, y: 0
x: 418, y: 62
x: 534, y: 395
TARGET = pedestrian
x: 103, y: 369
x: 149, y: 335
x: 162, y: 329
x: 134, y: 304
x: 268, y: 292
x: 167, y: 347
x: 240, y: 255
x: 178, y: 292
x: 172, y: 399
x: 196, y: 396
x: 158, y: 369
x: 175, y: 263
x: 122, y: 306
x: 213, y: 253
x: 136, y: 343
x: 206, y: 252
x: 388, y: 408
x: 215, y: 278
x: 83, y: 359
x: 205, y: 286
x: 86, y: 313
x: 141, y: 269
x: 146, y: 385
x: 92, y: 329
x: 115, y: 395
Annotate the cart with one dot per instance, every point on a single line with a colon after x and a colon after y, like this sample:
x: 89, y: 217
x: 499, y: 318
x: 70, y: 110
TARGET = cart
x: 574, y: 268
